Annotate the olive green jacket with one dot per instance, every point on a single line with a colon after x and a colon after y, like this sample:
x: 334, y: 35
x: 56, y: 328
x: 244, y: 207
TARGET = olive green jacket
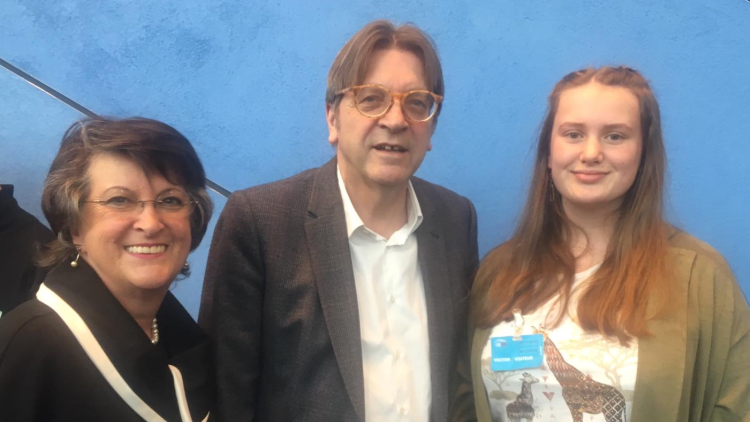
x: 695, y: 366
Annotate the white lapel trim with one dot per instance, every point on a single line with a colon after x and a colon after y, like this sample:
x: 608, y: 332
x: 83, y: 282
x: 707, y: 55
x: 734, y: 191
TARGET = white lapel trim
x: 179, y: 389
x: 97, y: 355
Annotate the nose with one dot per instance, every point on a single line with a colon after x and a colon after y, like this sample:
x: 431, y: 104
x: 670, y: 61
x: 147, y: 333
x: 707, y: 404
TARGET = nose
x: 592, y: 151
x: 394, y: 118
x: 148, y: 219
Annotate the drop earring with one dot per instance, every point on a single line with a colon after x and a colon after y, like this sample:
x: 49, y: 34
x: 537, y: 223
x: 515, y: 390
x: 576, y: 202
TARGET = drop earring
x: 74, y: 263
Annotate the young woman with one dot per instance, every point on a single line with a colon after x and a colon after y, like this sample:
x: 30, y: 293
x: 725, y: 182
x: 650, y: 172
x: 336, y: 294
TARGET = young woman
x: 597, y: 305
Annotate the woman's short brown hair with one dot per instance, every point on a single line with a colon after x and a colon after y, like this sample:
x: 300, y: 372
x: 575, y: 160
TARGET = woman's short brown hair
x: 154, y: 146
x: 353, y: 61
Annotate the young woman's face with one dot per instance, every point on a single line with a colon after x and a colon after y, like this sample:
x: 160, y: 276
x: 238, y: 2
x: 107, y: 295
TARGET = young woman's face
x: 596, y: 145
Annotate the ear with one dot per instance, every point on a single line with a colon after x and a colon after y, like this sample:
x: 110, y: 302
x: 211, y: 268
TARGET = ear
x: 77, y: 240
x: 332, y: 120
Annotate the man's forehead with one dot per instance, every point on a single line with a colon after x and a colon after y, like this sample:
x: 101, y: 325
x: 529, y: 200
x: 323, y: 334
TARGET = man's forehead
x: 370, y: 65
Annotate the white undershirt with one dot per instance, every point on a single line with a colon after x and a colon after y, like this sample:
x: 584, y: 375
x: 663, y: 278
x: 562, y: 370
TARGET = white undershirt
x: 392, y: 316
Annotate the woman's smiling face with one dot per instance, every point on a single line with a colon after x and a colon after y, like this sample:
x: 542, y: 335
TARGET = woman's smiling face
x: 140, y: 249
x: 596, y: 145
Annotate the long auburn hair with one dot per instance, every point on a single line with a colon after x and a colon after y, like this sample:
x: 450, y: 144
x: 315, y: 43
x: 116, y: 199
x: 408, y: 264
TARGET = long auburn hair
x: 537, y: 264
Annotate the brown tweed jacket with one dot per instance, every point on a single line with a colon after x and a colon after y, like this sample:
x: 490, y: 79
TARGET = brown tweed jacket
x: 280, y: 302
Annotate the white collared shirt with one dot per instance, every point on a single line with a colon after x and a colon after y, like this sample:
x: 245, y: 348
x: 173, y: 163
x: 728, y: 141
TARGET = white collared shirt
x: 392, y: 316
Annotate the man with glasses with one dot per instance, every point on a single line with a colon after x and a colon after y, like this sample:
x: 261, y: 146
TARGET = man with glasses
x: 340, y: 294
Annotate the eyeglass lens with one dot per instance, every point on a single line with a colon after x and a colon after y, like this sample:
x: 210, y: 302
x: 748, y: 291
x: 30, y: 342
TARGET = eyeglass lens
x: 171, y: 201
x: 373, y: 101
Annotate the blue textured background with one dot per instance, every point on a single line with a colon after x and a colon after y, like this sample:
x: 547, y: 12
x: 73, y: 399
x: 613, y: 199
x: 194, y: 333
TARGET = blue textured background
x: 245, y: 81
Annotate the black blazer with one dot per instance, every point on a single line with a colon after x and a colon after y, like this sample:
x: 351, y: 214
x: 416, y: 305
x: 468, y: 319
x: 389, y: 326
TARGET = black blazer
x: 279, y: 300
x: 20, y: 234
x: 45, y: 374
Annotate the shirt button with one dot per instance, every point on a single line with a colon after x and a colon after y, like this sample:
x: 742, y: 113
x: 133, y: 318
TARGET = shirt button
x: 401, y: 411
x: 397, y: 356
x: 391, y: 299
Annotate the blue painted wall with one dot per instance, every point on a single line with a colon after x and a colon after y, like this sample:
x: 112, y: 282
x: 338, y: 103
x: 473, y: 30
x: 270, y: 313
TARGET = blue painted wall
x: 245, y: 81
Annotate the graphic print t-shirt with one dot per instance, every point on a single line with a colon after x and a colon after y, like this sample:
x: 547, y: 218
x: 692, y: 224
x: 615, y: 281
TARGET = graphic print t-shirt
x: 580, y: 370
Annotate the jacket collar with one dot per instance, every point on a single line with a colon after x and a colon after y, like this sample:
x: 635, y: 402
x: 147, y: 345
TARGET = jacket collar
x: 142, y: 365
x: 353, y: 221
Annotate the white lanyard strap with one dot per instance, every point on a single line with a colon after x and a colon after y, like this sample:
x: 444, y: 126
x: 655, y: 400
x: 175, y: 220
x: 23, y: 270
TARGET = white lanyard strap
x: 97, y: 355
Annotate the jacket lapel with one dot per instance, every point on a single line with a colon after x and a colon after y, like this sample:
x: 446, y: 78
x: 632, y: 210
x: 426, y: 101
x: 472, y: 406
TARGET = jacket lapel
x: 478, y: 341
x: 433, y: 263
x: 325, y: 229
x: 662, y: 356
x: 139, y: 369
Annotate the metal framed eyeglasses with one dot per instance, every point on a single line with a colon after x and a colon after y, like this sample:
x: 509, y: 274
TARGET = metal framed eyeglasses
x: 172, y: 202
x: 375, y: 101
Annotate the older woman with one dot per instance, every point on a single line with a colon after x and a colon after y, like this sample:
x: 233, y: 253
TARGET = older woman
x: 596, y: 305
x: 104, y: 340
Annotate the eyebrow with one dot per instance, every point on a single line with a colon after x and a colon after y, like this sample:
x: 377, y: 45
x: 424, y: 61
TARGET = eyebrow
x: 572, y: 124
x: 614, y: 126
x: 418, y: 87
x: 123, y: 188
x: 116, y: 188
x: 618, y: 126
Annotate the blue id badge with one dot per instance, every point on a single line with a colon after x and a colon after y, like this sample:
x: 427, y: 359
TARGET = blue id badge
x: 514, y: 353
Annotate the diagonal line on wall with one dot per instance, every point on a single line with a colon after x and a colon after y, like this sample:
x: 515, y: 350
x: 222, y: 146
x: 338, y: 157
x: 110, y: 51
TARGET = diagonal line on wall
x: 47, y: 89
x: 81, y: 109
